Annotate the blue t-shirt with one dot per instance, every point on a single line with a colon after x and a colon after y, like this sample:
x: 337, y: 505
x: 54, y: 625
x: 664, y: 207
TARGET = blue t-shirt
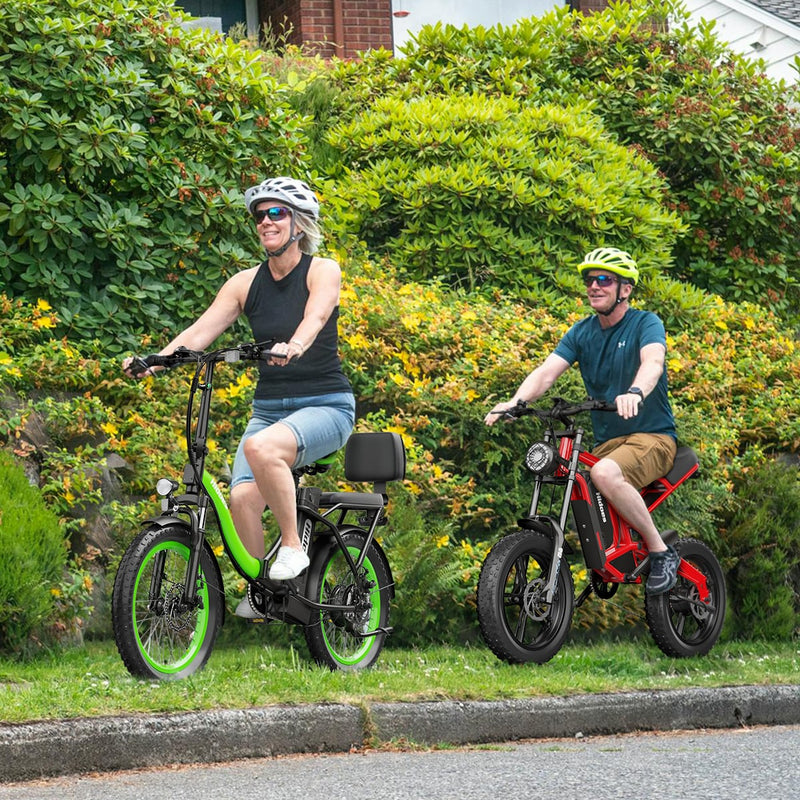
x: 609, y: 359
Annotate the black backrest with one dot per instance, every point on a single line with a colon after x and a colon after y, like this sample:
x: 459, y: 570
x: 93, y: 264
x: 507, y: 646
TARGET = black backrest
x: 375, y: 457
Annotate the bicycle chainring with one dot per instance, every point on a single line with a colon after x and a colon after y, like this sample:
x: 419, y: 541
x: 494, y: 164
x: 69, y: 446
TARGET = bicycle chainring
x: 604, y: 590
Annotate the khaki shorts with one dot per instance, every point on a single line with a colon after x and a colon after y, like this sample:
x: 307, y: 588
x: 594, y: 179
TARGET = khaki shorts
x: 642, y: 457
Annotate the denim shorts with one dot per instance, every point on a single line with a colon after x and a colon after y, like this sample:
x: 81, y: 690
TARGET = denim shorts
x: 321, y: 425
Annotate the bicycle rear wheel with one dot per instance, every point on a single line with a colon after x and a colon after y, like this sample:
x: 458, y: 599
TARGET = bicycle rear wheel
x: 680, y: 624
x: 157, y: 635
x: 336, y: 638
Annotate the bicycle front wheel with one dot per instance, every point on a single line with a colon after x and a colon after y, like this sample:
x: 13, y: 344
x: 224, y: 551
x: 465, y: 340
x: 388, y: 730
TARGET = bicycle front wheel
x: 517, y: 623
x: 349, y: 640
x: 157, y: 634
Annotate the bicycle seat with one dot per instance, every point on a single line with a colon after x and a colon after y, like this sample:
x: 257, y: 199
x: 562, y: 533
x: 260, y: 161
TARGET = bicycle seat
x: 375, y: 457
x: 685, y: 459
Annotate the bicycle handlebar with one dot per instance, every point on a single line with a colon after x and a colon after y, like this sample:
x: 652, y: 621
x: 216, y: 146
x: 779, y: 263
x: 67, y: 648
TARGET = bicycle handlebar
x: 561, y: 410
x: 250, y: 351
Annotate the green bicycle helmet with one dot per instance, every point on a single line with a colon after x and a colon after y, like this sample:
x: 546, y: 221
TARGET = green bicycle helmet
x: 612, y: 260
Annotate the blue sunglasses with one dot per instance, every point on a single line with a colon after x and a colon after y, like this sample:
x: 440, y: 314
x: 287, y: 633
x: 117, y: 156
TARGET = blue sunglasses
x: 274, y: 214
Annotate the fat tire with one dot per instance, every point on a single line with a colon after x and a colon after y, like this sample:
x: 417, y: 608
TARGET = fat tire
x: 510, y: 633
x: 678, y: 628
x: 166, y: 643
x: 331, y: 637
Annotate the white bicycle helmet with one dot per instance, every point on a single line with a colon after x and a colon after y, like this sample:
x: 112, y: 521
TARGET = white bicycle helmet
x: 294, y: 193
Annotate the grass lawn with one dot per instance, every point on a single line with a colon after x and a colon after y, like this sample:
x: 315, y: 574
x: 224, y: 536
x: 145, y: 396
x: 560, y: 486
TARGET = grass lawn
x: 91, y: 680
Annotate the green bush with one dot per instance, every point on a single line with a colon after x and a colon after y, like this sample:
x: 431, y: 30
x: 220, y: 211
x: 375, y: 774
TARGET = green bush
x: 32, y: 559
x: 125, y: 144
x: 762, y: 543
x: 483, y: 192
x: 721, y: 133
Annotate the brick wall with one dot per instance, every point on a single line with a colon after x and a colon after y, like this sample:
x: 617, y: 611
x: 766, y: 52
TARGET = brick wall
x: 588, y: 6
x: 331, y: 27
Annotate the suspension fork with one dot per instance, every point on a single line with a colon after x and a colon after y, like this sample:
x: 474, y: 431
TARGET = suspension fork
x: 197, y: 458
x: 573, y: 449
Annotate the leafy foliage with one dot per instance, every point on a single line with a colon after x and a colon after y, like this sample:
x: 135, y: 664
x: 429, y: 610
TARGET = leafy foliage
x: 483, y: 192
x: 32, y: 557
x: 125, y: 143
x: 723, y: 135
x: 763, y: 543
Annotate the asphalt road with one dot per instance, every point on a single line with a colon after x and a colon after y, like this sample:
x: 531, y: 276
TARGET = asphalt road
x: 732, y: 764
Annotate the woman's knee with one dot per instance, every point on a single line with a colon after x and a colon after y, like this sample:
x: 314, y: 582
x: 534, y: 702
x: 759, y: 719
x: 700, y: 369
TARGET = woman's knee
x: 271, y: 448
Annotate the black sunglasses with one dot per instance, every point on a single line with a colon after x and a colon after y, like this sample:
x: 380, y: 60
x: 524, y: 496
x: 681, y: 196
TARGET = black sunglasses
x: 274, y: 214
x: 602, y: 280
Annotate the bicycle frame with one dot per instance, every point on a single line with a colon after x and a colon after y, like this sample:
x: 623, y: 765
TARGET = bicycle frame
x: 205, y: 492
x: 607, y: 540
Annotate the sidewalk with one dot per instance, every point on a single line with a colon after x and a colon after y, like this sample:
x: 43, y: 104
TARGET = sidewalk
x: 46, y: 749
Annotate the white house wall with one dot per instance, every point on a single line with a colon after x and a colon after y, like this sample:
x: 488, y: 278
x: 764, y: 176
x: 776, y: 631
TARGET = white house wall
x: 462, y: 12
x: 752, y: 32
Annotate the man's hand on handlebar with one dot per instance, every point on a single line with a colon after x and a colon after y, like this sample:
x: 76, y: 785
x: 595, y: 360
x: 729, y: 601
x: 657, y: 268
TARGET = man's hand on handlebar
x: 501, y: 411
x: 285, y: 352
x: 628, y: 405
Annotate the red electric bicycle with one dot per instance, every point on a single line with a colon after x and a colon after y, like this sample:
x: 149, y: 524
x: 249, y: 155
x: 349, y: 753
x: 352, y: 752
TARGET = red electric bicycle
x: 526, y: 589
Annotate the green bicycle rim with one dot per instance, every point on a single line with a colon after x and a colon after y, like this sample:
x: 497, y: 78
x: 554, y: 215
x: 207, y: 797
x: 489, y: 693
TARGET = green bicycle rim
x: 374, y: 616
x: 201, y: 626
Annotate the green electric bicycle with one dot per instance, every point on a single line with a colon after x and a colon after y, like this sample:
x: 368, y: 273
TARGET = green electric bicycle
x: 168, y: 602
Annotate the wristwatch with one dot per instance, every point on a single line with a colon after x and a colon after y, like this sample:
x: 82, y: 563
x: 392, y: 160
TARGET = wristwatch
x: 637, y: 391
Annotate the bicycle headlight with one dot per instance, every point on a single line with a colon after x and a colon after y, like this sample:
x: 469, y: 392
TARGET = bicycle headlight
x: 541, y: 459
x: 165, y: 487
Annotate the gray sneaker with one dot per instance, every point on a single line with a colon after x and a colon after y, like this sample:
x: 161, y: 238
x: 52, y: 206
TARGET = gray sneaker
x: 663, y: 571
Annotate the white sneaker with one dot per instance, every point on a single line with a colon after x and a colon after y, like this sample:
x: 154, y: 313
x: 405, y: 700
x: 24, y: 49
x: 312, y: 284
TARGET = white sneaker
x: 245, y: 610
x: 288, y: 564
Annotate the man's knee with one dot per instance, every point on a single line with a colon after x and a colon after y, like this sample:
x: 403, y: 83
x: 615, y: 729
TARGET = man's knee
x: 606, y: 473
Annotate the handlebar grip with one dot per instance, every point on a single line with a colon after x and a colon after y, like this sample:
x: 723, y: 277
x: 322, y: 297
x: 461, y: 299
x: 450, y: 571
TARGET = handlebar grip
x: 155, y: 360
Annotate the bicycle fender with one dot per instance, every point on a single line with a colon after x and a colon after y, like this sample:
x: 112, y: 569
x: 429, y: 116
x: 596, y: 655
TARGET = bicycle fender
x: 165, y: 520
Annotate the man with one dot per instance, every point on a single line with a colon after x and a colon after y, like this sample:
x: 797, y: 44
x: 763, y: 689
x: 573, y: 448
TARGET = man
x: 620, y: 352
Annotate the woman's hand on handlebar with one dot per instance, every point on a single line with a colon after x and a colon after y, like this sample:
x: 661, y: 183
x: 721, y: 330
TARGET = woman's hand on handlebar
x: 137, y: 367
x: 289, y: 350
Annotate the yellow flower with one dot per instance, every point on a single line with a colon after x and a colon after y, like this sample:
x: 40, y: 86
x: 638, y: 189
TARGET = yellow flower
x: 44, y: 322
x: 5, y: 358
x: 674, y: 365
x: 14, y: 372
x: 411, y: 321
x: 109, y: 429
x: 442, y: 541
x: 43, y: 305
x: 69, y: 497
x: 357, y: 341
x: 721, y: 324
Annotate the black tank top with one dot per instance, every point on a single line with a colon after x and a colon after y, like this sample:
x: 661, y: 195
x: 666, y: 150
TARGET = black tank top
x: 274, y: 310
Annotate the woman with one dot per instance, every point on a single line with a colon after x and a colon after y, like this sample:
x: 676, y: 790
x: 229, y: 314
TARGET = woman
x: 303, y: 407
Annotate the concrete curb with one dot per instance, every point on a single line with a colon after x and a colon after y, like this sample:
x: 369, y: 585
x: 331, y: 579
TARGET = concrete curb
x: 48, y: 749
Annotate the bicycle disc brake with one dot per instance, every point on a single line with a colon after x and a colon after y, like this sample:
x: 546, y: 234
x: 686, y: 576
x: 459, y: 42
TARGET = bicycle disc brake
x: 533, y: 602
x: 177, y: 615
